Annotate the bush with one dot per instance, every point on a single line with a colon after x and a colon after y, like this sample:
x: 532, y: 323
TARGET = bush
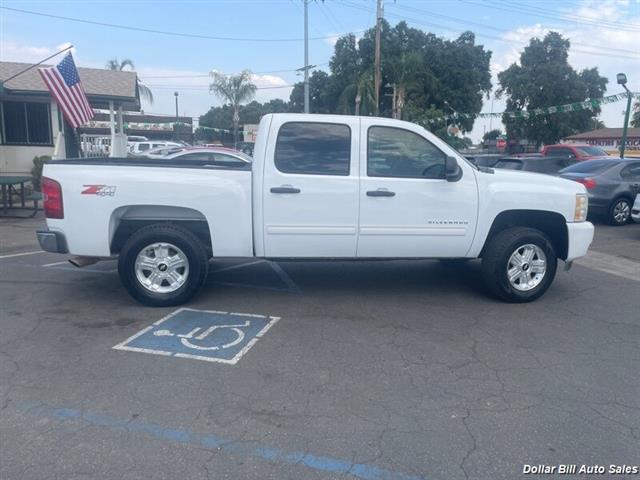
x: 36, y: 171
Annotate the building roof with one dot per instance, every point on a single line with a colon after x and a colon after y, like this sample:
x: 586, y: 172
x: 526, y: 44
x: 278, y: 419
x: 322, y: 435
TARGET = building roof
x: 100, y: 85
x: 605, y: 133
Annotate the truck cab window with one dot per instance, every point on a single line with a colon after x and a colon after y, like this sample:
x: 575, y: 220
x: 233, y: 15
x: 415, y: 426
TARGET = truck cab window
x: 313, y: 148
x: 395, y: 152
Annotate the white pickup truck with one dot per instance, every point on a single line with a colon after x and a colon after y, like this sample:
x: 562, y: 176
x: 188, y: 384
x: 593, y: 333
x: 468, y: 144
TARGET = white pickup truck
x: 319, y: 186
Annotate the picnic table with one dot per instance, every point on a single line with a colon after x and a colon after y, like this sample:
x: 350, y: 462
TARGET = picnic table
x: 10, y: 186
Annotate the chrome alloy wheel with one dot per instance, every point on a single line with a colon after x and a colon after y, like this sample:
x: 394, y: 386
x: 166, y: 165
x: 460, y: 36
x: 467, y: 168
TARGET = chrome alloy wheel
x: 526, y: 267
x: 621, y: 211
x: 162, y: 267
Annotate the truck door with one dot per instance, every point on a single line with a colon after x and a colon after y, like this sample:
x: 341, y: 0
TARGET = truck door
x: 310, y: 190
x: 407, y: 207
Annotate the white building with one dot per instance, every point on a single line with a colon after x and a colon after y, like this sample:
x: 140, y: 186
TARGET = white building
x: 31, y: 123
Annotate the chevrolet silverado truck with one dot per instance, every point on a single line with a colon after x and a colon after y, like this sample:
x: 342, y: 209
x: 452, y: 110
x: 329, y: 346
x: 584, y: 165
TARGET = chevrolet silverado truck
x: 318, y: 187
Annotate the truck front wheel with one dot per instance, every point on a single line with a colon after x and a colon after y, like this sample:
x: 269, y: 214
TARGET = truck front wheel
x: 519, y: 264
x: 163, y: 265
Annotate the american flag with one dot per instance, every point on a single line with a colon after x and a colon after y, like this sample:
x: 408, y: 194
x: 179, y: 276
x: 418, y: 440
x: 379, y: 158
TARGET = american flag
x: 64, y: 84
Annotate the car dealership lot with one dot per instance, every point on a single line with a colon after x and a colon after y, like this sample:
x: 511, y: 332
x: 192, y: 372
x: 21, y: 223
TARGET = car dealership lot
x: 374, y: 370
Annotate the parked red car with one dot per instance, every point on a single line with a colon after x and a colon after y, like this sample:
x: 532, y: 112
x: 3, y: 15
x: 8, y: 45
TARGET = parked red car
x: 579, y: 152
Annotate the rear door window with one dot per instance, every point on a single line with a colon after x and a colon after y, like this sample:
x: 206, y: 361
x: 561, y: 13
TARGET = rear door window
x: 631, y: 172
x: 313, y: 148
x: 591, y: 166
x: 560, y: 151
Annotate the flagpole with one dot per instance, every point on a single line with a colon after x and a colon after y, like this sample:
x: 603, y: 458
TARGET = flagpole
x: 2, y: 82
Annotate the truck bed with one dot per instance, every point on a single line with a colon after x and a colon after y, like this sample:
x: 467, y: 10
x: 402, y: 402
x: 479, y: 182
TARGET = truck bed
x: 180, y: 190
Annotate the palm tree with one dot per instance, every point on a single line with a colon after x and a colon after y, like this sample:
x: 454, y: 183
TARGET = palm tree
x: 403, y: 71
x: 235, y: 90
x: 635, y: 119
x: 114, y: 64
x: 360, y: 93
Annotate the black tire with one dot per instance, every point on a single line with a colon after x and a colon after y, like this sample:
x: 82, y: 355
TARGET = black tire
x: 496, y: 259
x: 186, y: 241
x: 619, y: 202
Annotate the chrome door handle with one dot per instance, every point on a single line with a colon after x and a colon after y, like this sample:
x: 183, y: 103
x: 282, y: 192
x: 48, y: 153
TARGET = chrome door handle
x: 380, y: 193
x: 285, y: 190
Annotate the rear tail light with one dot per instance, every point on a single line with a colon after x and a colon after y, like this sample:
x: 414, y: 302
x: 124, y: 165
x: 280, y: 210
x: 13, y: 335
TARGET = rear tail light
x: 52, y: 192
x: 589, y: 183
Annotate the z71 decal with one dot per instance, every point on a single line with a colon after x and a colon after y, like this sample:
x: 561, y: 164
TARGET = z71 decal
x: 100, y: 190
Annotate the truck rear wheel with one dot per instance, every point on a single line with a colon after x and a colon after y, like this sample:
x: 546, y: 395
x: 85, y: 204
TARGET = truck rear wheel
x: 519, y: 264
x: 163, y: 265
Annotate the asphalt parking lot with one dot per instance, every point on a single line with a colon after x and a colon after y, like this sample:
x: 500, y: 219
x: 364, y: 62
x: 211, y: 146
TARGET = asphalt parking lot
x: 373, y: 370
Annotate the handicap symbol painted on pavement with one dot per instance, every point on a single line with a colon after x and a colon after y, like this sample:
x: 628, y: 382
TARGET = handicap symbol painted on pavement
x: 201, y: 335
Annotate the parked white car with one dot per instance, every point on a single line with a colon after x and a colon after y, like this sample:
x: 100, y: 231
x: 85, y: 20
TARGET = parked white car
x: 635, y: 210
x: 139, y: 148
x: 218, y: 155
x: 160, y: 152
x: 319, y: 186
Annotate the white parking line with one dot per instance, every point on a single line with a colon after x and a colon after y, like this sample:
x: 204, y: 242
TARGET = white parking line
x: 284, y: 277
x: 622, y: 267
x: 55, y: 263
x: 22, y: 254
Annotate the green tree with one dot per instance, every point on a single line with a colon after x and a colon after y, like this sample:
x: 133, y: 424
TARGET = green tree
x: 406, y: 71
x: 320, y: 100
x: 456, y: 71
x: 221, y: 118
x: 234, y: 89
x: 360, y: 94
x: 492, y: 134
x: 635, y: 119
x: 544, y: 78
x: 114, y: 64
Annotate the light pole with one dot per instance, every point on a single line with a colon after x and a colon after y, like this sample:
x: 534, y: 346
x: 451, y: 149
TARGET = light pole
x: 622, y: 80
x: 306, y: 56
x: 177, y: 118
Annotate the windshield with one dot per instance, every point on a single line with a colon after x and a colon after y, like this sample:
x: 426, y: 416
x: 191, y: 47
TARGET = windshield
x: 591, y: 166
x: 592, y: 151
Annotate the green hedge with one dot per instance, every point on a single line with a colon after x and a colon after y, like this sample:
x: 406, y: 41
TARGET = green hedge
x: 36, y: 171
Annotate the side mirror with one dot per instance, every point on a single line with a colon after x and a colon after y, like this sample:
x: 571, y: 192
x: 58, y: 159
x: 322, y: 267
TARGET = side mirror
x: 452, y: 171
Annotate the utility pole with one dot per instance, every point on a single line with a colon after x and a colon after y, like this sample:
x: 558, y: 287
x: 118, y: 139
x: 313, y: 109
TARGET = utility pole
x: 177, y: 117
x: 378, y: 74
x: 306, y: 56
x: 491, y: 114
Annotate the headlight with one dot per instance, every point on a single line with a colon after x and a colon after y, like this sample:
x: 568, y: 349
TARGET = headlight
x: 582, y: 205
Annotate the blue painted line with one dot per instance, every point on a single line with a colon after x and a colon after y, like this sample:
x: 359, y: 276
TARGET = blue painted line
x: 309, y: 460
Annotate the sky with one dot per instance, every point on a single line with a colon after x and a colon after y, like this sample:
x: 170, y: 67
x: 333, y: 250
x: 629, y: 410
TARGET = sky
x: 265, y: 36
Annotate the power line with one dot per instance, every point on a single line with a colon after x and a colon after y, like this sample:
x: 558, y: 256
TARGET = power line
x: 598, y: 23
x: 206, y: 87
x: 421, y: 22
x: 575, y: 18
x: 206, y: 75
x: 490, y: 27
x: 164, y: 32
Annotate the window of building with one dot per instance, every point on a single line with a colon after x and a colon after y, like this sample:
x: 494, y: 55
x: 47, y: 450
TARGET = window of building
x: 313, y: 148
x: 395, y: 152
x: 26, y: 123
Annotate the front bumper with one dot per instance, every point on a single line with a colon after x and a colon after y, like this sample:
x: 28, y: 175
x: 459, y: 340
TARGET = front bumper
x: 580, y: 236
x: 52, y: 241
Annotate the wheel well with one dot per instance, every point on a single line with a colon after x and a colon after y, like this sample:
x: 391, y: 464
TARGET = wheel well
x: 127, y: 220
x: 550, y: 223
x: 627, y: 196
